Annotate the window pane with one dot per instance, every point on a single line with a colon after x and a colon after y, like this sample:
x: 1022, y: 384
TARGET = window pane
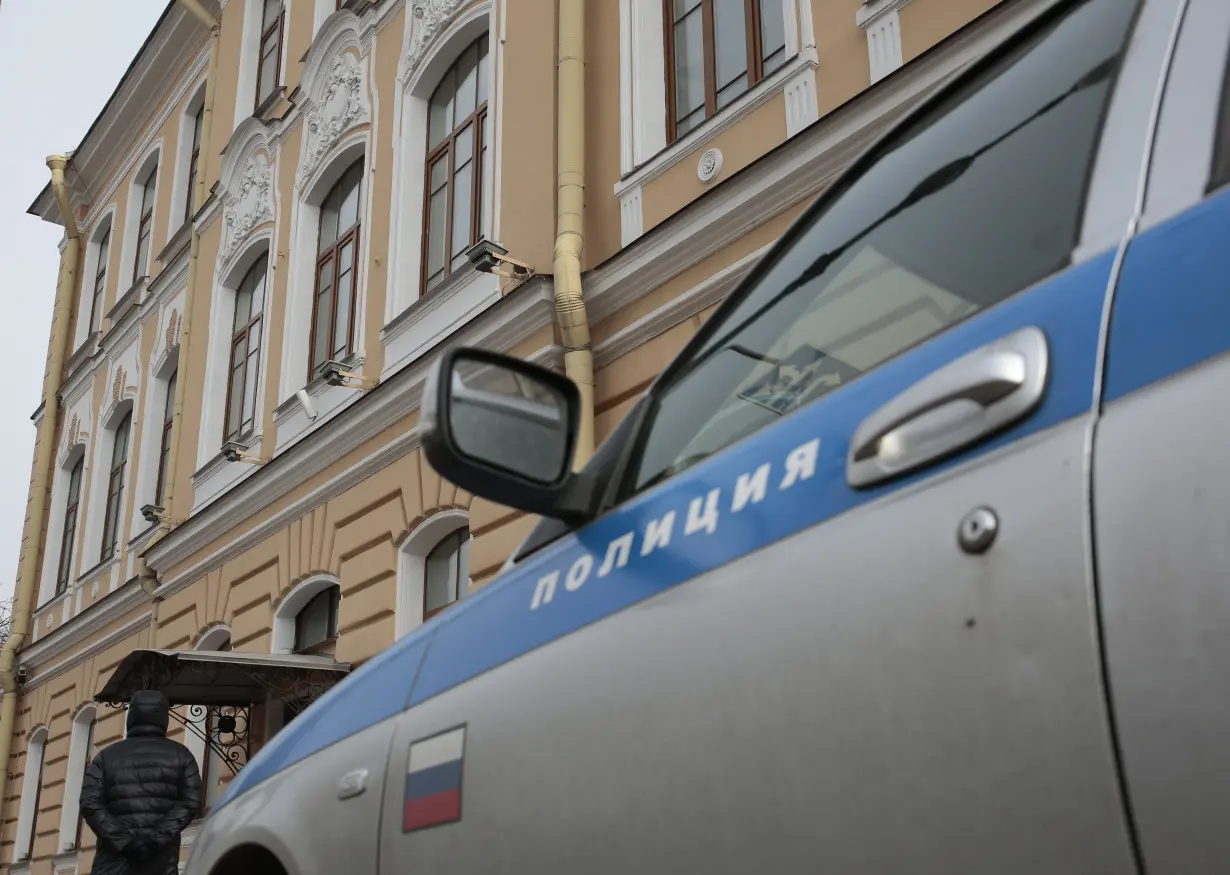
x: 243, y: 306
x: 686, y: 124
x: 258, y: 291
x: 683, y: 7
x: 141, y: 265
x: 467, y: 83
x: 269, y: 70
x: 731, y: 91
x: 729, y: 40
x: 441, y: 583
x: 253, y: 369
x: 484, y: 70
x: 104, y: 252
x: 482, y: 178
x: 439, y: 174
x: 348, y: 213
x: 689, y: 65
x: 978, y: 198
x: 463, y: 149
x: 328, y: 225
x: 438, y: 215
x: 168, y: 410
x: 440, y: 124
x: 345, y: 285
x: 462, y: 193
x: 772, y: 35
x: 234, y: 421
x: 119, y: 450
x: 324, y: 316
x: 273, y: 8
x: 312, y: 626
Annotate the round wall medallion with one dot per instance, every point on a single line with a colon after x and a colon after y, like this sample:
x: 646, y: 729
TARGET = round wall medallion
x: 710, y: 165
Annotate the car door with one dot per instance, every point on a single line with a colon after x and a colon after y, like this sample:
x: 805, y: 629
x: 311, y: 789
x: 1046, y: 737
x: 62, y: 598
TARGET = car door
x: 843, y: 619
x: 1162, y: 471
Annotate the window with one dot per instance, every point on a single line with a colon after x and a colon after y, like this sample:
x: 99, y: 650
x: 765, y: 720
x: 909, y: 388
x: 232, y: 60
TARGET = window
x: 100, y: 282
x: 145, y: 226
x: 270, y: 51
x: 980, y: 196
x: 164, y: 446
x: 715, y: 51
x: 447, y: 572
x: 457, y: 139
x: 31, y: 795
x: 89, y: 755
x: 337, y: 270
x: 316, y: 623
x: 68, y: 538
x: 115, y: 488
x: 194, y: 161
x: 245, y: 353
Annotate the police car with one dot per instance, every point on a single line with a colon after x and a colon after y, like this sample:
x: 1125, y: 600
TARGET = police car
x: 915, y: 560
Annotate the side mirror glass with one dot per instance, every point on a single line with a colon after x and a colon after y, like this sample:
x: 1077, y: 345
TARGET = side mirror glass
x: 505, y: 429
x: 508, y: 418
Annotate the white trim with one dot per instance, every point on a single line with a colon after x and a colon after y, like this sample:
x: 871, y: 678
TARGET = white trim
x: 642, y: 82
x: 628, y: 189
x: 412, y: 566
x: 881, y: 21
x: 79, y: 656
x: 183, y: 157
x: 31, y: 775
x: 78, y: 756
x: 105, y: 223
x: 287, y: 612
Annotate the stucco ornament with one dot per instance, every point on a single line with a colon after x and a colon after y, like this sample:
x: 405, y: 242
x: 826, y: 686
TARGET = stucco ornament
x: 340, y: 108
x: 431, y: 17
x: 250, y: 206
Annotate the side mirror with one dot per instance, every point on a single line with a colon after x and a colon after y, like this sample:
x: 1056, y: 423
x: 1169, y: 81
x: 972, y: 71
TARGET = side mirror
x: 506, y: 429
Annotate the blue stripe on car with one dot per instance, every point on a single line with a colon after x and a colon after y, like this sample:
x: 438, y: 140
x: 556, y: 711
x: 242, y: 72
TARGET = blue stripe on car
x: 497, y: 624
x: 1172, y: 306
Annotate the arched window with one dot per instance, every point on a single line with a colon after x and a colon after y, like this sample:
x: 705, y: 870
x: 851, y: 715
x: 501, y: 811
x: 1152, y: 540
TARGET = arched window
x: 194, y: 160
x: 245, y: 352
x: 115, y: 488
x: 337, y: 270
x: 100, y: 282
x: 446, y: 572
x: 457, y: 138
x: 145, y: 223
x: 31, y: 793
x: 80, y: 750
x: 715, y: 51
x: 164, y: 445
x: 316, y: 622
x: 68, y: 537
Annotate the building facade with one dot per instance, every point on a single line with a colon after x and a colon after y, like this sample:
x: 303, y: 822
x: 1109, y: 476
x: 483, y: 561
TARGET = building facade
x: 274, y: 219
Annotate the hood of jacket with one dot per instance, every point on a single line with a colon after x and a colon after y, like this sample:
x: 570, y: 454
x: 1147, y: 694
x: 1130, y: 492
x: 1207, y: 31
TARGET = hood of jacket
x: 149, y: 713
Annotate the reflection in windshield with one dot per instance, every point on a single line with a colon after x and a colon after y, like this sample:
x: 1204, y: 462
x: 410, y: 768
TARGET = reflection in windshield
x: 981, y: 198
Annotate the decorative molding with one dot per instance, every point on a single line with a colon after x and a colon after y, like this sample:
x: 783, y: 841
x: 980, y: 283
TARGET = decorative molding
x: 249, y: 207
x: 631, y: 216
x: 431, y: 18
x: 342, y: 106
x: 801, y: 105
x: 96, y: 617
x: 77, y: 657
x: 709, y: 166
x: 881, y: 21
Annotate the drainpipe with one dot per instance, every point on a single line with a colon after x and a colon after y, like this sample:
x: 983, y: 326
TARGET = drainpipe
x: 23, y: 600
x: 569, y: 217
x: 146, y: 575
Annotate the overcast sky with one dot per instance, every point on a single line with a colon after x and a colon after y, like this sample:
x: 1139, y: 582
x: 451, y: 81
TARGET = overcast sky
x: 59, y: 62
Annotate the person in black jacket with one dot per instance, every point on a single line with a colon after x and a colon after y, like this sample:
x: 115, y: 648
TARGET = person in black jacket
x: 140, y: 793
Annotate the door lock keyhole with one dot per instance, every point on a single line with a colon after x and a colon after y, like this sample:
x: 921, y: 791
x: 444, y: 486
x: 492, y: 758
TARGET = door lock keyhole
x: 978, y: 530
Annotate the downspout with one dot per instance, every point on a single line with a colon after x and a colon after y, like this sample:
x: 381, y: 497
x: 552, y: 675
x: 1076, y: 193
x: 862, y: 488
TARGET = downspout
x: 570, y: 217
x: 147, y: 577
x: 23, y: 599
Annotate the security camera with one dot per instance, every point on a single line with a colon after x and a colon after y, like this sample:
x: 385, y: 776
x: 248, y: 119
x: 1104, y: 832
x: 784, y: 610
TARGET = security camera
x: 152, y: 512
x: 306, y: 401
x: 231, y: 451
x: 484, y: 256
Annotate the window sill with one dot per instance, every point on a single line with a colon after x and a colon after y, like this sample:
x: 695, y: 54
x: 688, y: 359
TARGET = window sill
x: 436, y: 315
x: 177, y: 244
x: 83, y: 354
x: 127, y: 301
x: 218, y: 475
x: 275, y: 97
x: 690, y: 143
x: 291, y: 420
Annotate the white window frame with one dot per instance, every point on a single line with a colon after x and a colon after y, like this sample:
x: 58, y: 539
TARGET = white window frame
x: 152, y: 161
x: 106, y: 223
x: 249, y: 60
x: 78, y: 756
x: 97, y: 508
x: 412, y: 566
x: 183, y: 156
x: 283, y: 638
x: 55, y: 524
x: 26, y: 816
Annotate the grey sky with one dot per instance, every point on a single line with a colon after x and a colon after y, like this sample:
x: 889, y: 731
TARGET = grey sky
x: 59, y: 62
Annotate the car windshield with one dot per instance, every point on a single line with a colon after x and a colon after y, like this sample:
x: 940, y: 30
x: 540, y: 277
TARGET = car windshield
x: 977, y: 198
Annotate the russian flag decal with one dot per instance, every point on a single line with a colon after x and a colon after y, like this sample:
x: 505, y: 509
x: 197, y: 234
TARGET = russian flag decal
x: 433, y: 780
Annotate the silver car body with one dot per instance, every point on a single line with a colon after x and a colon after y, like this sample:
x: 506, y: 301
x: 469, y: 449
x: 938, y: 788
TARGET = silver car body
x: 756, y: 667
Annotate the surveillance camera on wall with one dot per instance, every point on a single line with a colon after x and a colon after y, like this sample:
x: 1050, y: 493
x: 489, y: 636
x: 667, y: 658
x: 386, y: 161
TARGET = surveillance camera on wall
x: 152, y: 512
x: 484, y: 256
x: 231, y: 451
x: 306, y: 401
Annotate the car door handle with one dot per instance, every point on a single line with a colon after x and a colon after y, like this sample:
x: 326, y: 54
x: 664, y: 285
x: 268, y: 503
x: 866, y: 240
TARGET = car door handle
x: 352, y: 784
x: 979, y: 393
